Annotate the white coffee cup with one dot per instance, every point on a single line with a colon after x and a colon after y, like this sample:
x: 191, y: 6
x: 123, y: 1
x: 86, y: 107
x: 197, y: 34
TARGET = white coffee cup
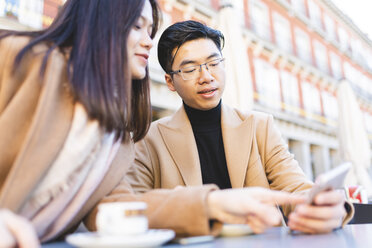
x: 122, y: 218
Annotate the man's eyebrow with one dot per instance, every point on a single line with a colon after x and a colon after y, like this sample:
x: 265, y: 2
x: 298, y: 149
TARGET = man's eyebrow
x: 187, y: 61
x: 213, y: 55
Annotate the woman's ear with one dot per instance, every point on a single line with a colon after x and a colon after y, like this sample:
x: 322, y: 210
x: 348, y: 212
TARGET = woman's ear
x: 169, y: 81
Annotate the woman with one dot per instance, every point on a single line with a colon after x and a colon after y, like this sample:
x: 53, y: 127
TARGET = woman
x: 72, y: 98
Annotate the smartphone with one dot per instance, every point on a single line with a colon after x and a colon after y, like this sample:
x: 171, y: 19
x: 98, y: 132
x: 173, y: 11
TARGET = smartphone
x: 333, y: 179
x: 193, y: 240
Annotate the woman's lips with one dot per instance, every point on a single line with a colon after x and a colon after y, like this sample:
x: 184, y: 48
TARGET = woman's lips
x: 143, y: 57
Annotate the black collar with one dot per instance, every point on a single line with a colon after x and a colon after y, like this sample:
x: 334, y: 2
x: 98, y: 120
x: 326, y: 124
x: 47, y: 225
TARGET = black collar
x: 202, y: 119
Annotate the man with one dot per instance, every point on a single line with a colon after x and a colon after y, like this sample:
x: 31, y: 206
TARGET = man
x: 207, y: 142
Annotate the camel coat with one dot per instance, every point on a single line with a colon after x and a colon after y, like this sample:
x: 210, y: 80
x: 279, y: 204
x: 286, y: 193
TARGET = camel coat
x: 255, y: 153
x: 35, y: 118
x: 167, y: 157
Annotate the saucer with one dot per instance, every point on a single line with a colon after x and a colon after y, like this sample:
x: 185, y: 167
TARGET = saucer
x: 230, y: 230
x: 152, y: 238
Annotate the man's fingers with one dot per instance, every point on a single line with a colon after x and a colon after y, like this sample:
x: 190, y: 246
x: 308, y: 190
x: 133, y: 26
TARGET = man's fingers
x: 321, y: 212
x: 257, y: 225
x: 267, y: 214
x: 295, y: 226
x: 310, y: 225
x: 280, y: 197
x: 329, y: 198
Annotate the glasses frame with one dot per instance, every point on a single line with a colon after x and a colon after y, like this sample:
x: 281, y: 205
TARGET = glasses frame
x: 181, y: 71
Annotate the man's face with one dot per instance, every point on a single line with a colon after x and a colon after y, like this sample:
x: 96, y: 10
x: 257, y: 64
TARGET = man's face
x: 205, y: 91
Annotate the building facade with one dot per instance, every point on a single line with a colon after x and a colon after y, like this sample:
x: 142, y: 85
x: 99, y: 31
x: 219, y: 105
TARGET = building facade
x: 298, y: 50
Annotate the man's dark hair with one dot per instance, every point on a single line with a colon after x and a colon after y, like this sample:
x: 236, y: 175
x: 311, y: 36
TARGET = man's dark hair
x: 181, y: 32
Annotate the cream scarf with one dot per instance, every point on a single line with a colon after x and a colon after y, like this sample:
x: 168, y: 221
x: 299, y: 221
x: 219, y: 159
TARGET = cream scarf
x: 86, y: 154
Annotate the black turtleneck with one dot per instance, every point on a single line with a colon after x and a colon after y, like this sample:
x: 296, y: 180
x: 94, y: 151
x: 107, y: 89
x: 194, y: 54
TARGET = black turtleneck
x: 206, y: 126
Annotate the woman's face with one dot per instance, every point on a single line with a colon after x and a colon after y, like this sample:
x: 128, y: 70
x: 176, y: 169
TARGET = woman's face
x: 140, y: 43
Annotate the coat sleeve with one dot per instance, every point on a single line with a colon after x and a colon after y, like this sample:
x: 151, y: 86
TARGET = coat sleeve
x: 182, y: 209
x: 282, y: 170
x: 142, y: 175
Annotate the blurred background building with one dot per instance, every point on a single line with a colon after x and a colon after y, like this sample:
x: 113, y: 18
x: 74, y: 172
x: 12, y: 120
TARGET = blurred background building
x: 297, y: 50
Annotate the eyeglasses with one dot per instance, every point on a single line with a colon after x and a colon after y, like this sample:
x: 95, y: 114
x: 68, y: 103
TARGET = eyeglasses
x: 193, y: 72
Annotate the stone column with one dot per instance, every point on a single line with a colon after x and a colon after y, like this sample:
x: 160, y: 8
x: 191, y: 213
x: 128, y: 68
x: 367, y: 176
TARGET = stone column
x: 301, y: 151
x: 321, y: 159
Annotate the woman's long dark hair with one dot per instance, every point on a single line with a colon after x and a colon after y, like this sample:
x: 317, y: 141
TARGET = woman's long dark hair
x: 97, y: 31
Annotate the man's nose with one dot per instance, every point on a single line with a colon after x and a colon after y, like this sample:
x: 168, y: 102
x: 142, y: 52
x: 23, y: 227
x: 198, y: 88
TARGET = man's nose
x: 205, y: 75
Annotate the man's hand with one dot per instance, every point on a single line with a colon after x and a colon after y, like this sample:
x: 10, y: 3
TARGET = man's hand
x: 253, y: 206
x: 326, y: 214
x: 16, y: 231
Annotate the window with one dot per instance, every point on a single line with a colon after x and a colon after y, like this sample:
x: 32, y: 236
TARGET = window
x: 2, y: 7
x: 321, y: 58
x: 330, y: 27
x: 368, y: 56
x: 31, y: 13
x: 336, y: 65
x: 369, y: 86
x: 303, y: 45
x: 368, y: 121
x: 267, y: 81
x: 11, y: 7
x: 343, y: 39
x: 363, y: 56
x: 358, y: 51
x: 260, y: 19
x: 311, y: 98
x: 282, y: 30
x: 351, y: 73
x: 330, y: 105
x: 299, y: 6
x: 204, y: 2
x: 239, y: 11
x: 290, y: 91
x: 315, y: 14
x: 364, y: 82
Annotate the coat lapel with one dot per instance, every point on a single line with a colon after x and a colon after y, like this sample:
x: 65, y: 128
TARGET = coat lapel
x: 237, y: 138
x: 180, y: 142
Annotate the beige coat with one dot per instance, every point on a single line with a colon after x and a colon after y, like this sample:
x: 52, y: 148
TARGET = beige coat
x: 35, y: 118
x: 167, y: 157
x: 256, y: 155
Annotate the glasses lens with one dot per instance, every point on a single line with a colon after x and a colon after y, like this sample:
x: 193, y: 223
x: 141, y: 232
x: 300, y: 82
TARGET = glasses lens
x: 215, y: 65
x: 190, y: 72
x: 193, y: 72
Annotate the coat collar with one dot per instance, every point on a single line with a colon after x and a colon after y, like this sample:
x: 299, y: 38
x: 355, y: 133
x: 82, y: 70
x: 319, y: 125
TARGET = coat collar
x: 237, y: 137
x: 179, y: 139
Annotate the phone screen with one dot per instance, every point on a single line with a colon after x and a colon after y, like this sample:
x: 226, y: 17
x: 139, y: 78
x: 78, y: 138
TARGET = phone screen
x: 329, y: 180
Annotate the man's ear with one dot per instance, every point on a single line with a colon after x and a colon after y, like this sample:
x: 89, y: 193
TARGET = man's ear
x: 169, y: 81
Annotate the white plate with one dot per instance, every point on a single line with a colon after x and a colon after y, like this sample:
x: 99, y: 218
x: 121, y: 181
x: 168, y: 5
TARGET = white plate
x: 151, y: 238
x: 229, y: 230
